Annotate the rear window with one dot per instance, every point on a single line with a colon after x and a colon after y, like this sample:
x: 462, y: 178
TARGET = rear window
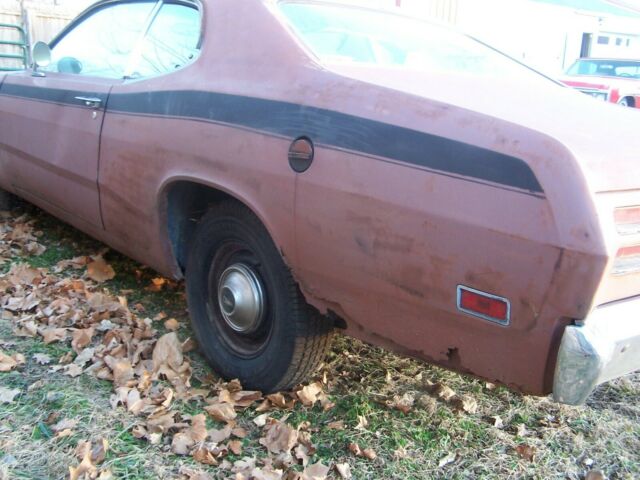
x: 339, y: 34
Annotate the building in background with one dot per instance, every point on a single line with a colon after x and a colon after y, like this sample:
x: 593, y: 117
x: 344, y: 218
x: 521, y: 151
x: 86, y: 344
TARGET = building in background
x: 546, y: 34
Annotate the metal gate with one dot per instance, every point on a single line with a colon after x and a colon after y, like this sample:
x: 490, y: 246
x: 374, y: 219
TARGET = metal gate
x: 10, y: 59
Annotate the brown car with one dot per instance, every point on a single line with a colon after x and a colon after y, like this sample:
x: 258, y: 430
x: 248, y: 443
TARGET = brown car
x: 309, y: 166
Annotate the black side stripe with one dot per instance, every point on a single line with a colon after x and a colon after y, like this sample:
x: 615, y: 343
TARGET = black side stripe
x: 325, y: 127
x: 52, y: 95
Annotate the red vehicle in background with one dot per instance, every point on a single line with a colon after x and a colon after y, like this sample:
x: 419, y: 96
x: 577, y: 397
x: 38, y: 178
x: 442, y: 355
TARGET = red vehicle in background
x: 609, y: 80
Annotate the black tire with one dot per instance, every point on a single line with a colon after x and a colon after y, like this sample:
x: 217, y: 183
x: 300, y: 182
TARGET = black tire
x: 289, y: 339
x: 7, y: 201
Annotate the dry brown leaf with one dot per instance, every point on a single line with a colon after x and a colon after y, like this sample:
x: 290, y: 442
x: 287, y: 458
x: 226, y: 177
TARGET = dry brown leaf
x: 172, y: 325
x: 355, y: 449
x: 223, y: 412
x: 239, y: 432
x: 41, y: 358
x: 337, y: 425
x: 100, y: 271
x: 168, y: 352
x: 235, y: 446
x: 81, y: 338
x: 261, y: 420
x: 526, y: 452
x: 309, y: 394
x: 443, y: 392
x: 450, y: 458
x: 466, y: 404
x: 183, y: 441
x: 51, y: 335
x: 9, y: 362
x: 86, y: 467
x: 369, y: 453
x: 344, y: 470
x: 594, y: 475
x: 362, y: 423
x: 8, y: 395
x: 402, y: 403
x: 122, y: 371
x: 219, y: 436
x: 317, y: 471
x: 280, y: 437
x: 65, y: 424
x: 73, y: 370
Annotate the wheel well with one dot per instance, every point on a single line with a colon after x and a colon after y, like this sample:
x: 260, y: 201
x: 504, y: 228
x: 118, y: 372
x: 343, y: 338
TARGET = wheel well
x: 187, y: 202
x: 631, y: 100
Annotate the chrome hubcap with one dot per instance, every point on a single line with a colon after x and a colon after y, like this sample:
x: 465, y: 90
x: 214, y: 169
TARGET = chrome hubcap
x: 241, y: 298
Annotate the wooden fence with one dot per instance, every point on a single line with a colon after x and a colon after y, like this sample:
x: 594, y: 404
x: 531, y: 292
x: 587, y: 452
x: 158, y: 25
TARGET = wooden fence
x: 41, y: 21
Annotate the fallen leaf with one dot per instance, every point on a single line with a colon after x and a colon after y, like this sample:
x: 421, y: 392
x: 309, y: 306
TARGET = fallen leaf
x: 81, y: 338
x: 261, y: 420
x: 219, y: 436
x: 86, y: 467
x: 51, y: 335
x: 337, y: 425
x: 402, y: 403
x: 100, y: 271
x: 280, y: 437
x: 9, y: 362
x: 42, y: 358
x: 8, y: 395
x: 168, y: 352
x: 526, y: 452
x: 344, y: 470
x: 355, y: 449
x: 594, y: 475
x: 65, y: 424
x: 73, y: 370
x: 183, y: 441
x: 236, y: 447
x: 450, y: 458
x: 309, y: 394
x: 317, y: 471
x: 172, y: 325
x: 466, y: 404
x: 369, y: 453
x: 223, y: 412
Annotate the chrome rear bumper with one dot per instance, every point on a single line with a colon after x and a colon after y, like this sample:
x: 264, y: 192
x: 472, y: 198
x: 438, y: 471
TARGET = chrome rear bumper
x: 605, y: 347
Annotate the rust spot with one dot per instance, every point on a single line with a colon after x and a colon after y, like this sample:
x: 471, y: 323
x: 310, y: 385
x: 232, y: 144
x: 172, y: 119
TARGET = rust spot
x: 453, y: 356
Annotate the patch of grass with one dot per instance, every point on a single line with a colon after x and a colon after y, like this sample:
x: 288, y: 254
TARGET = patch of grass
x: 568, y: 442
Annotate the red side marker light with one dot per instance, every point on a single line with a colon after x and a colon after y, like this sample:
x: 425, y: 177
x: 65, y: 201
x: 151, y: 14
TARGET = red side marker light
x: 484, y: 305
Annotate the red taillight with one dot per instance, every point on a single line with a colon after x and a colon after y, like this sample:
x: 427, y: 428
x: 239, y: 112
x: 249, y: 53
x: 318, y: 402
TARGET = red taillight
x: 483, y: 305
x: 628, y: 215
x: 629, y: 251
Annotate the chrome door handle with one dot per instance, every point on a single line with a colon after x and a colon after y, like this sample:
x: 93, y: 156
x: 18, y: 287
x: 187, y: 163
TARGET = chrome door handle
x: 91, y: 102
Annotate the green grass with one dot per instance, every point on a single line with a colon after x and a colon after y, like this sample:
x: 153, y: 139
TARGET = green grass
x: 607, y: 430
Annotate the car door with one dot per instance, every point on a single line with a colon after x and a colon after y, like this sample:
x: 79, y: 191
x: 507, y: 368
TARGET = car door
x: 50, y: 121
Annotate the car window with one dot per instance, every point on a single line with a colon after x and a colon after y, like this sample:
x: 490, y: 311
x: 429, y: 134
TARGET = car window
x: 101, y: 44
x: 172, y: 42
x: 606, y: 68
x: 341, y: 34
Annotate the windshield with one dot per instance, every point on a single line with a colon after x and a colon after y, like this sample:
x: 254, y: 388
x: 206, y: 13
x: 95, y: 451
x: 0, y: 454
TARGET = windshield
x: 340, y: 34
x: 606, y: 68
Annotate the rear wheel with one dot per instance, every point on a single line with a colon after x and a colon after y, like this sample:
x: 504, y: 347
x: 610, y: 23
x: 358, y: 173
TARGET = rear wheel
x: 625, y: 102
x: 248, y: 313
x: 7, y: 200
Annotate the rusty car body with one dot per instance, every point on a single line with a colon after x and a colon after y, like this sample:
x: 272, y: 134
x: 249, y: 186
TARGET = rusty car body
x: 461, y: 209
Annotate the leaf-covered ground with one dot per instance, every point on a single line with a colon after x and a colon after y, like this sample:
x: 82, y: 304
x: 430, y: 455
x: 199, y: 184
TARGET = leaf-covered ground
x: 99, y: 378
